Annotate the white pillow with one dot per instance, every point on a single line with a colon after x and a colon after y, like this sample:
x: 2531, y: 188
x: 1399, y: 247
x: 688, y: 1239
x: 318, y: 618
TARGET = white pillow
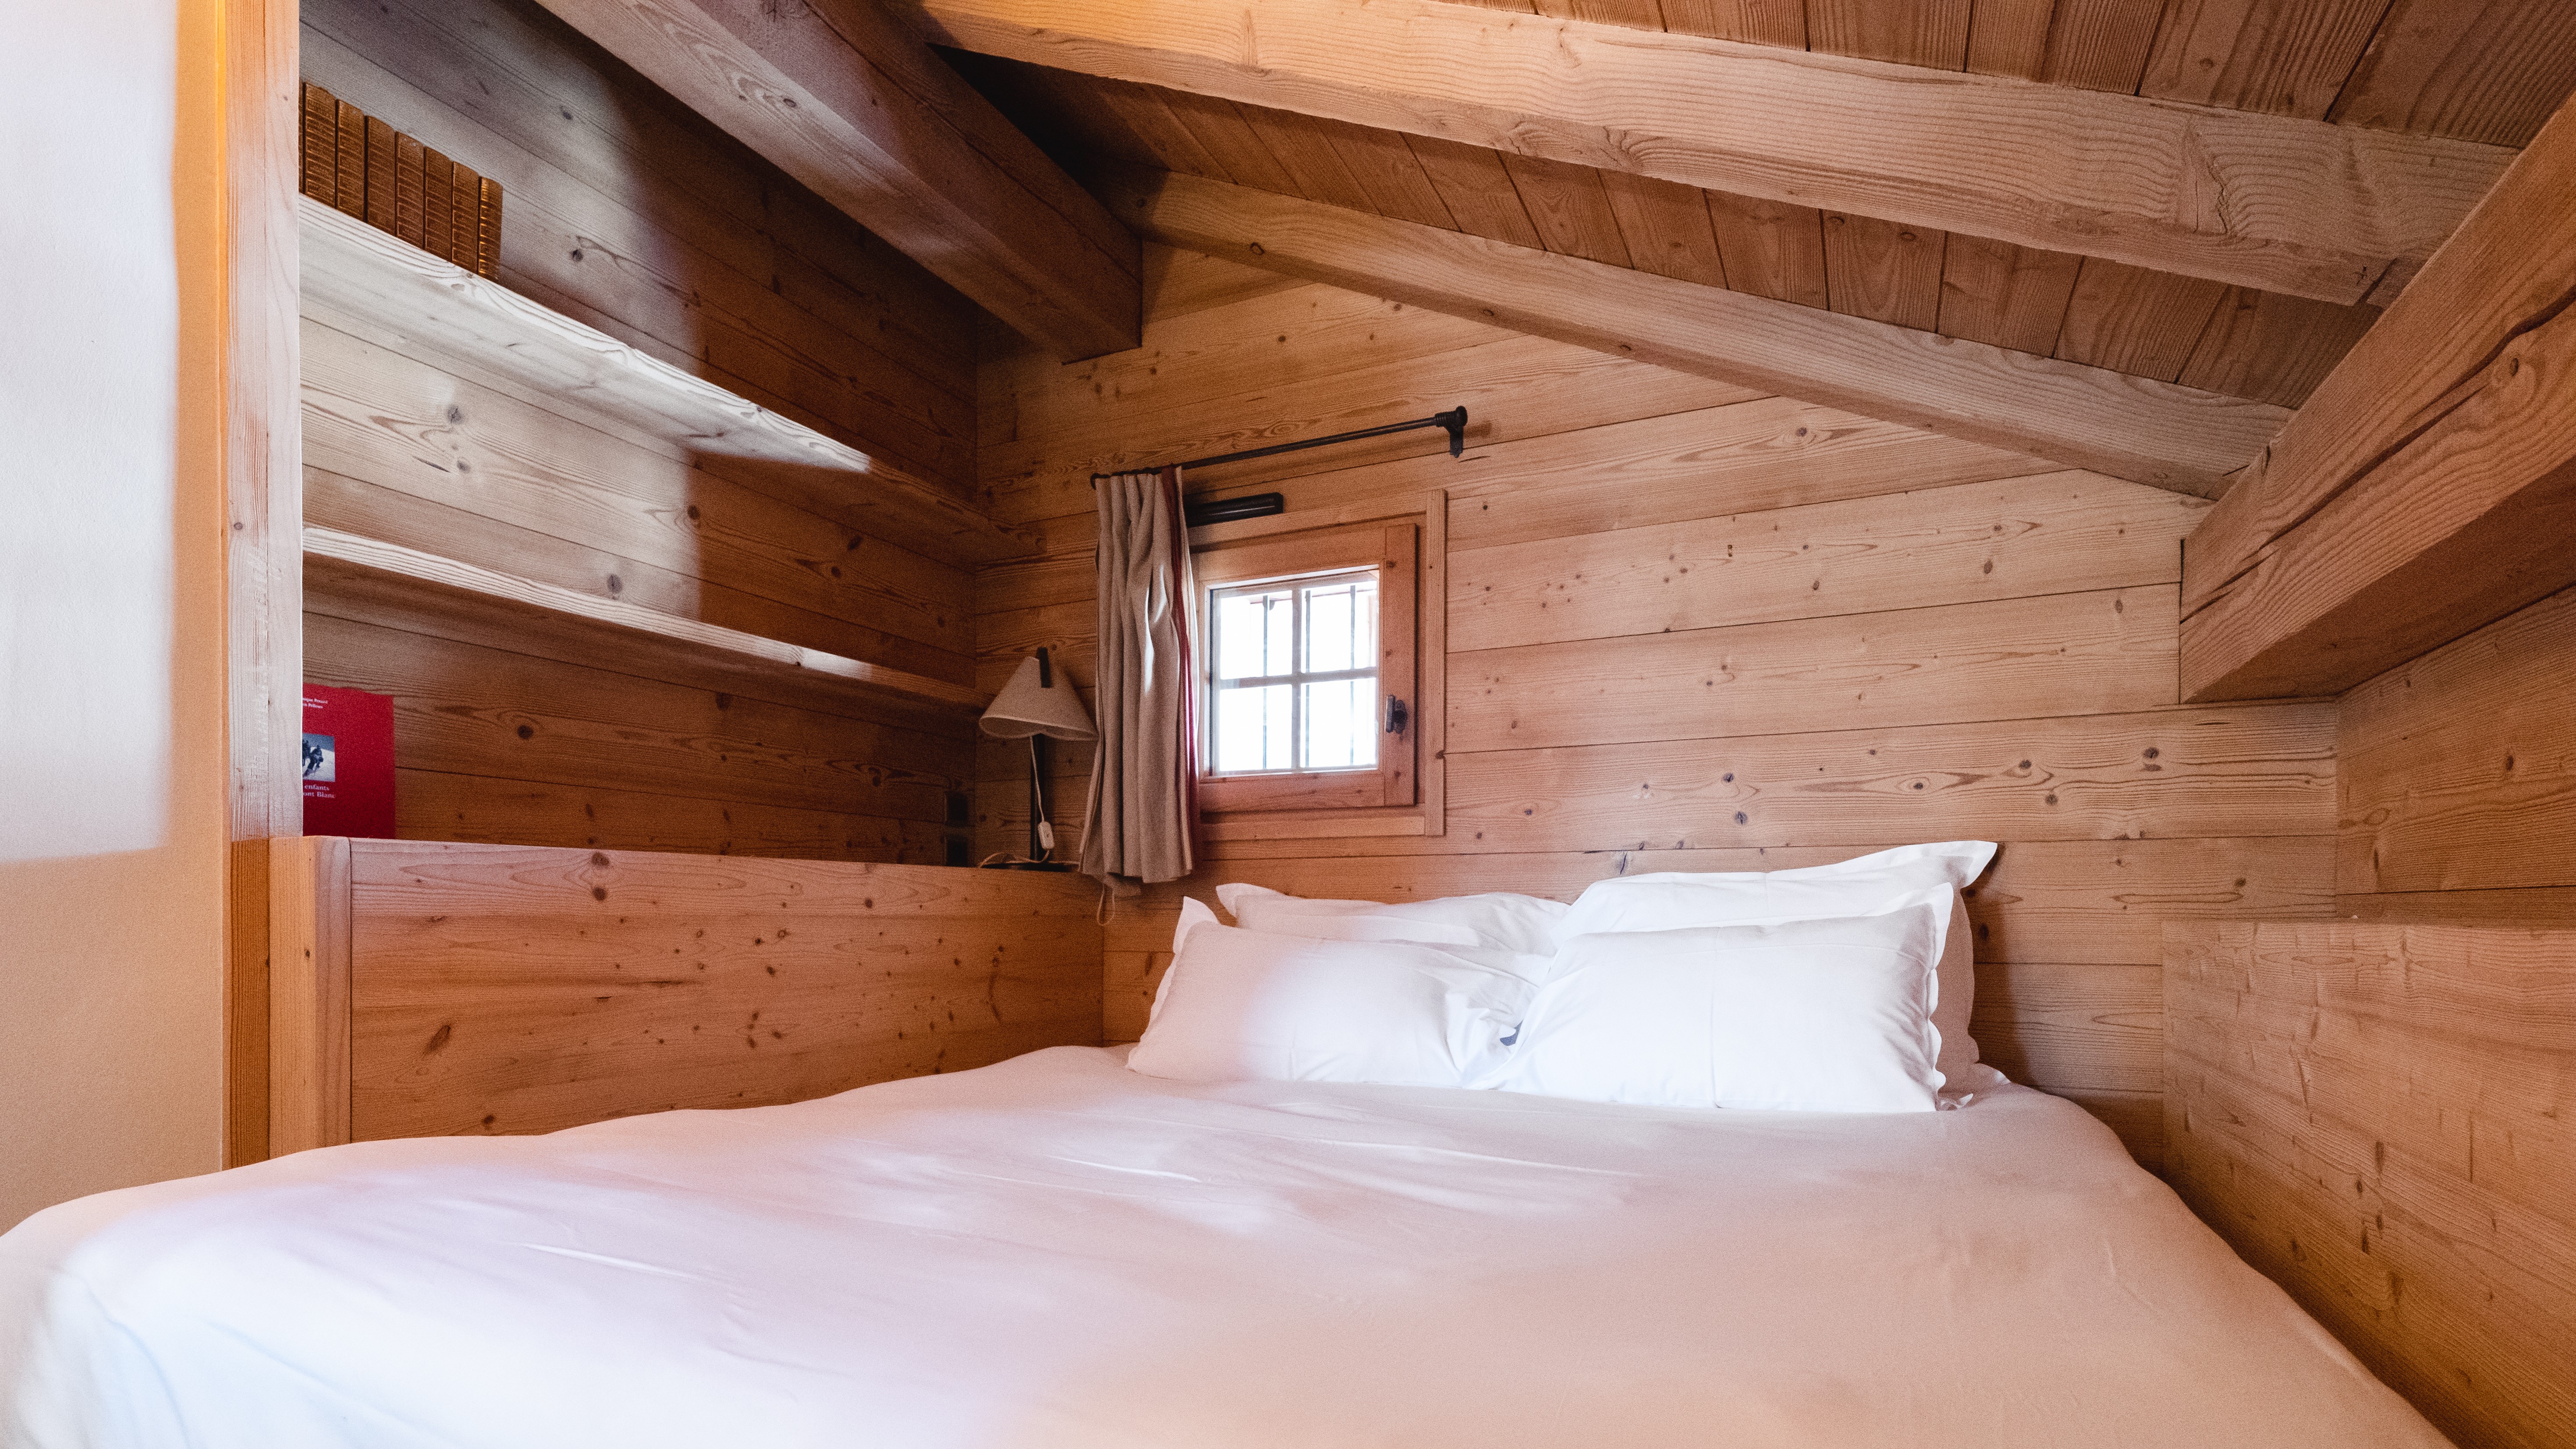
x: 1674, y: 900
x: 1251, y: 1006
x: 1497, y: 921
x: 1794, y: 1016
x: 1194, y: 912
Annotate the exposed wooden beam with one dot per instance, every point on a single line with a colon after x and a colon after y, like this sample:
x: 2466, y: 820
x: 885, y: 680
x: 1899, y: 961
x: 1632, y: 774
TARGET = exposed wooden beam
x: 2273, y: 202
x: 850, y: 101
x: 2152, y: 432
x: 2429, y: 486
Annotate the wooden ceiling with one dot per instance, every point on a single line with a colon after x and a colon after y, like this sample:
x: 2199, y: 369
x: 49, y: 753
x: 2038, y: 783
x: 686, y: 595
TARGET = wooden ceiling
x: 2487, y: 72
x: 2204, y: 334
x: 2472, y: 70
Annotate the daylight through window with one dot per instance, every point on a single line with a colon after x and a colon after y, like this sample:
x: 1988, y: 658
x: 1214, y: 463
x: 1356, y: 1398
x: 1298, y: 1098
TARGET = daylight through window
x: 1294, y: 677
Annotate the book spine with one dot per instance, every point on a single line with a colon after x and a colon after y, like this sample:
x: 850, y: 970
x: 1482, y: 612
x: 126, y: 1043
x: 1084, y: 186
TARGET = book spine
x: 410, y: 171
x: 321, y: 144
x: 487, y: 254
x: 349, y: 165
x: 381, y: 170
x: 438, y: 180
x: 465, y: 222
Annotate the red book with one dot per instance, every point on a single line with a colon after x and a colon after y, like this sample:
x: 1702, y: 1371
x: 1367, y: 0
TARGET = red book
x: 348, y: 762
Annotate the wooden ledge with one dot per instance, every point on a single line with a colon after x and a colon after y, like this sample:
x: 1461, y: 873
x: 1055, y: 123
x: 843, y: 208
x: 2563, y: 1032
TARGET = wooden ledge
x: 390, y: 289
x: 340, y: 564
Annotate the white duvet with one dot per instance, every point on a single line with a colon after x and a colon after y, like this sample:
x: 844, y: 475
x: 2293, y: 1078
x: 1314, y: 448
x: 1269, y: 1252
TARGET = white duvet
x: 1058, y: 1252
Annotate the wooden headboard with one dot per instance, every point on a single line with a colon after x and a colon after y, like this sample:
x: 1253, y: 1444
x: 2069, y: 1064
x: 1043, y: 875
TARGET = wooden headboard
x: 2382, y: 1118
x: 425, y: 988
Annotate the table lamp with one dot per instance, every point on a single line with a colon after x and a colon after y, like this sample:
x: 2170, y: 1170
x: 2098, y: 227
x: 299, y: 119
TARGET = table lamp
x: 1037, y: 706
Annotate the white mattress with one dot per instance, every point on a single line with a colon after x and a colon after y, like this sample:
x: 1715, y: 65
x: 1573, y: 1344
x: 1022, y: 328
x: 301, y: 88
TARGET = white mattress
x: 1057, y: 1252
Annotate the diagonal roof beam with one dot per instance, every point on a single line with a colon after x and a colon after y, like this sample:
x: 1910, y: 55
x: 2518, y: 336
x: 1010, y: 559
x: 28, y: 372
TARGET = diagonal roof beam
x: 2150, y: 432
x: 2272, y: 202
x: 848, y: 100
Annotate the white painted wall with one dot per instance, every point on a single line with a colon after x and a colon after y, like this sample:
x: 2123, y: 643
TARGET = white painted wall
x: 112, y: 760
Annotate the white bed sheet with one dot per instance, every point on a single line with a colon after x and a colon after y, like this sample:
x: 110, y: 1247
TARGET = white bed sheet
x: 1058, y: 1252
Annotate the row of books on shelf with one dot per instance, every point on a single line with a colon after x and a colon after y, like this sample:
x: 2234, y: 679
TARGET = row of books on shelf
x: 358, y: 164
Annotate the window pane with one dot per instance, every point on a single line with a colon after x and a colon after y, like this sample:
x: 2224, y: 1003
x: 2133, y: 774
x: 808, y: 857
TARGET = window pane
x: 1251, y: 634
x: 1340, y: 724
x: 1341, y: 625
x: 1252, y: 728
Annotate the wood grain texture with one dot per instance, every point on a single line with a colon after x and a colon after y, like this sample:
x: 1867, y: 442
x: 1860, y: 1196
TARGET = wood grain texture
x: 2052, y: 533
x: 309, y: 927
x: 518, y: 989
x: 2465, y: 523
x: 1514, y: 388
x: 2135, y: 321
x: 2006, y: 296
x: 481, y: 707
x: 246, y: 989
x: 1931, y: 33
x: 1569, y: 207
x: 1666, y: 227
x: 2375, y: 1116
x: 2461, y: 764
x: 1883, y: 271
x: 2092, y: 653
x: 2273, y: 348
x: 434, y: 805
x: 1770, y: 248
x: 406, y: 452
x: 2250, y: 771
x: 852, y: 104
x: 359, y: 280
x: 2314, y: 210
x: 345, y: 563
x: 2128, y: 427
x: 2481, y: 70
x: 2508, y: 271
x: 1476, y: 189
x: 264, y: 142
x: 637, y: 216
x: 1760, y: 22
x: 1684, y: 467
x: 2288, y: 57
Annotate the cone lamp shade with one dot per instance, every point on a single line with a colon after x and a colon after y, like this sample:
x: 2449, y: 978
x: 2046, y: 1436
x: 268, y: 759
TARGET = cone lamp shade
x: 1037, y: 703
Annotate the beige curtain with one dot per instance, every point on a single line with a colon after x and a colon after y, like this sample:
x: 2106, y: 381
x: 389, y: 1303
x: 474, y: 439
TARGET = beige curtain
x: 1144, y: 782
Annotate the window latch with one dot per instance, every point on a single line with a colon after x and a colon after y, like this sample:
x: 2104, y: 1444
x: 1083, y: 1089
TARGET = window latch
x: 1397, y: 715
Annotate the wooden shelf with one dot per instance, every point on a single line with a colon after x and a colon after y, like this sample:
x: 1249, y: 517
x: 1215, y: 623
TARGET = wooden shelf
x: 344, y: 568
x: 385, y: 287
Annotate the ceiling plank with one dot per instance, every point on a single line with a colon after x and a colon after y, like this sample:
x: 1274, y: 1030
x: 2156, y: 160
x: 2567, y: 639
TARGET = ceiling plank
x: 1881, y: 270
x: 2429, y: 485
x: 2482, y: 70
x: 848, y: 100
x: 2158, y: 433
x: 2277, y: 203
x: 2006, y: 295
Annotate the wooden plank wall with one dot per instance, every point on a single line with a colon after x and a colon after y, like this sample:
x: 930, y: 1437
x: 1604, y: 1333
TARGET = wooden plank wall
x: 1692, y: 628
x: 631, y: 214
x: 2376, y: 1116
x: 439, y: 988
x: 2459, y: 779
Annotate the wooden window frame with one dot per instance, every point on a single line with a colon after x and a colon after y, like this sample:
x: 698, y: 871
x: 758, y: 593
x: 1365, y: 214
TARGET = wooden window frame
x: 1400, y: 539
x: 1392, y: 549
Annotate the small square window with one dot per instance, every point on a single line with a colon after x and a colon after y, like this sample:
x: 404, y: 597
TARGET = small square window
x: 1306, y: 644
x: 1295, y: 676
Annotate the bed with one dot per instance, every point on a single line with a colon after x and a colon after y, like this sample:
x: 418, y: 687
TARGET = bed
x: 1056, y: 1251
